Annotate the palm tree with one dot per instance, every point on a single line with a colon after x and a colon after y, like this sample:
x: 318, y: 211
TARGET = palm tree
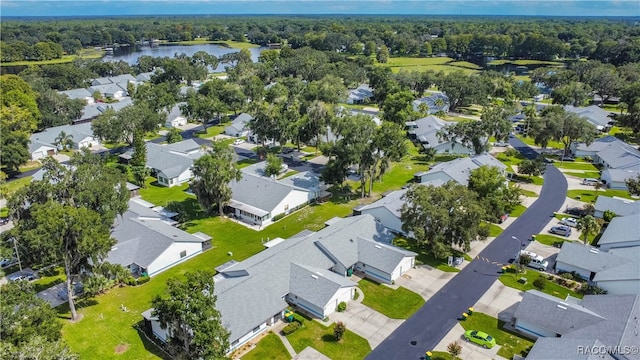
x: 64, y: 140
x: 588, y: 225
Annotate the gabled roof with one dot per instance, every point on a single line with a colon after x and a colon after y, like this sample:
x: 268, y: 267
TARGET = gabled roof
x: 109, y: 88
x: 392, y: 202
x: 175, y: 112
x: 620, y: 207
x: 241, y: 122
x: 315, y: 285
x: 122, y: 78
x: 622, y: 175
x: 587, y: 257
x: 599, y: 144
x: 76, y: 93
x: 36, y: 144
x: 554, y: 314
x: 621, y: 229
x: 460, y: 169
x: 595, y: 115
x: 547, y: 348
x: 173, y: 159
x: 360, y: 93
x: 381, y: 256
x: 259, y: 192
x: 146, y: 76
x: 48, y: 136
x: 620, y: 155
x: 431, y: 100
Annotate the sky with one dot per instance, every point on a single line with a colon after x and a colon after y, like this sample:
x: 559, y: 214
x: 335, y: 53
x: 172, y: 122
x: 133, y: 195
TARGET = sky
x: 373, y: 7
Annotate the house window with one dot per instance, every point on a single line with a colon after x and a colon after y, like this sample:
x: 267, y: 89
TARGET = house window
x: 183, y: 253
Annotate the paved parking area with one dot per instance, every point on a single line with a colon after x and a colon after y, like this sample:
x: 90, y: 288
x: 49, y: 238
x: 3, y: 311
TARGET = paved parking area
x: 470, y: 351
x: 575, y: 233
x: 50, y: 295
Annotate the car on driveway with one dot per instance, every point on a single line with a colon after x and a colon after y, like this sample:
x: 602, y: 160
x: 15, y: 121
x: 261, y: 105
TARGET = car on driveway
x: 567, y: 158
x: 480, y: 338
x: 569, y: 222
x: 501, y: 144
x: 237, y: 141
x: 575, y: 211
x: 561, y: 230
x: 22, y: 276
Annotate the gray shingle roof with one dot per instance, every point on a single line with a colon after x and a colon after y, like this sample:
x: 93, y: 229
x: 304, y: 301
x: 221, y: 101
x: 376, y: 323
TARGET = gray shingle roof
x: 173, y: 159
x: 392, y: 201
x: 554, y: 314
x: 430, y: 101
x: 620, y: 156
x: 259, y: 192
x: 107, y: 89
x: 599, y: 144
x: 381, y: 256
x: 621, y: 229
x: 241, y: 122
x: 460, y: 169
x: 315, y: 285
x: 587, y: 257
x: 361, y: 93
x: 621, y: 175
x: 175, y: 112
x: 593, y: 114
x: 76, y: 93
x: 566, y: 349
x: 78, y: 132
x: 621, y: 207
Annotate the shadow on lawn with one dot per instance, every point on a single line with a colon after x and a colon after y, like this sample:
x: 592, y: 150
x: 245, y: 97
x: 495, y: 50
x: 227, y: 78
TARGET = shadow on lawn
x: 81, y: 303
x: 329, y: 338
x: 150, y: 344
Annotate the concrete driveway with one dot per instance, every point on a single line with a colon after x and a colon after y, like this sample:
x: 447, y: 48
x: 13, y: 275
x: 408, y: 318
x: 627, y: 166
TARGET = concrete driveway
x: 366, y: 322
x: 50, y: 295
x: 424, y: 280
x: 470, y: 351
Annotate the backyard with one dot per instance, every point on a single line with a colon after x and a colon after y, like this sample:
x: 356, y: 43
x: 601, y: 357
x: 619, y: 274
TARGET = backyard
x: 397, y: 303
x: 321, y: 338
x: 511, y: 343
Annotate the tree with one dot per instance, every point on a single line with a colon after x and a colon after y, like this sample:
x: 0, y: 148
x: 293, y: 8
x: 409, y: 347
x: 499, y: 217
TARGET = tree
x: 213, y: 174
x: 633, y: 185
x: 382, y: 54
x: 496, y: 194
x: 64, y: 140
x: 398, y: 107
x: 274, y: 165
x: 557, y: 124
x: 57, y: 109
x: 573, y: 93
x: 388, y: 145
x: 339, y: 329
x: 604, y: 80
x: 535, y: 167
x: 121, y: 126
x: 523, y: 261
x: 24, y: 315
x: 442, y: 217
x: 66, y: 217
x: 608, y: 215
x: 455, y: 349
x: 589, y: 226
x: 174, y: 135
x: 319, y: 116
x: 189, y: 313
x: 37, y: 348
x: 463, y: 89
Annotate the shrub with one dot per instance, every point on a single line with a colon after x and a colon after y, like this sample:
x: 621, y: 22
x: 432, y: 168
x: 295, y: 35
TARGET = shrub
x: 339, y: 329
x: 512, y: 152
x: 299, y: 319
x: 342, y: 306
x: 356, y: 294
x: 278, y: 217
x: 143, y: 279
x: 131, y: 281
x: 540, y: 282
x: 291, y: 328
x: 567, y: 276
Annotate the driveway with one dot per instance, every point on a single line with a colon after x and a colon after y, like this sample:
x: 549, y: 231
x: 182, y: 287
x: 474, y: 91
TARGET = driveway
x: 470, y: 351
x: 431, y: 323
x: 424, y: 280
x: 50, y: 295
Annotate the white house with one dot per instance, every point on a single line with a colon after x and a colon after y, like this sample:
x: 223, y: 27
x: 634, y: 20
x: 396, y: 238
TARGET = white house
x: 619, y: 206
x: 458, y: 170
x: 148, y: 244
x: 435, y: 103
x: 43, y: 142
x: 594, y: 115
x: 111, y: 90
x: 82, y: 94
x: 425, y: 131
x: 309, y: 271
x: 175, y: 117
x: 617, y: 178
x: 622, y: 232
x: 239, y: 127
x: 586, y: 261
x: 385, y: 210
x: 40, y: 150
x: 359, y: 95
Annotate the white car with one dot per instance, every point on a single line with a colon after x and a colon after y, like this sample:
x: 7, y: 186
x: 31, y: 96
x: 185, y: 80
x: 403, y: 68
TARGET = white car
x: 537, y: 262
x: 237, y: 141
x: 569, y: 222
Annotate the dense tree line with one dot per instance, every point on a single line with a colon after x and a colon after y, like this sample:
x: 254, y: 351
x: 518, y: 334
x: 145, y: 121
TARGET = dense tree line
x: 614, y: 41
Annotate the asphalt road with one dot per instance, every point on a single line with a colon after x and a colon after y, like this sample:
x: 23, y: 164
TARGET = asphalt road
x: 424, y: 330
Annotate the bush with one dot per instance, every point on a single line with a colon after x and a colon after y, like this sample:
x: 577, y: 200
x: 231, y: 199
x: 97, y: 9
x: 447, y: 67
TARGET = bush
x: 567, y: 276
x: 512, y: 152
x: 356, y: 294
x: 143, y: 279
x: 540, y: 282
x: 291, y: 328
x: 299, y: 319
x: 339, y: 329
x: 342, y: 306
x: 278, y: 217
x: 131, y: 281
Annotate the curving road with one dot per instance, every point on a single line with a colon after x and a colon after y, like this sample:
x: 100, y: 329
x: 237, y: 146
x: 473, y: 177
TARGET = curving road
x: 424, y: 330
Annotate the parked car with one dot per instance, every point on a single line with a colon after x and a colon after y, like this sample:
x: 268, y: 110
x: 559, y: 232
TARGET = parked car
x: 567, y: 158
x: 287, y: 150
x: 4, y: 220
x: 569, y: 222
x: 5, y: 263
x: 480, y: 338
x: 237, y: 141
x: 501, y: 144
x: 537, y: 262
x: 22, y: 276
x: 503, y: 218
x: 590, y: 181
x: 561, y: 230
x: 575, y: 211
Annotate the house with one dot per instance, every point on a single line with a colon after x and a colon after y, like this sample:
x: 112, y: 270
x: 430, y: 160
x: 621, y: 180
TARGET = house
x: 622, y: 232
x: 144, y: 77
x: 43, y: 142
x: 239, y: 127
x: 458, y: 170
x: 360, y: 95
x: 425, y: 131
x: 175, y: 117
x: 435, y: 102
x: 619, y: 206
x: 585, y: 261
x: 257, y: 199
x: 171, y: 163
x: 595, y: 115
x: 568, y: 329
x: 148, y: 244
x: 618, y: 156
x: 111, y: 90
x: 82, y: 94
x: 624, y: 278
x: 386, y: 210
x: 613, y: 154
x: 617, y: 178
x: 599, y: 144
x: 119, y: 79
x: 309, y: 271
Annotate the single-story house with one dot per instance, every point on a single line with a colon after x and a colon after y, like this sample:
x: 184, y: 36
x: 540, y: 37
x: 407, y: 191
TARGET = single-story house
x: 81, y: 134
x: 309, y: 271
x: 171, y: 163
x: 617, y: 178
x: 145, y: 76
x: 435, y: 103
x: 624, y: 278
x: 594, y: 115
x: 112, y: 90
x: 586, y: 261
x: 361, y: 94
x: 239, y: 127
x: 622, y: 232
x: 148, y: 244
x: 619, y: 155
x: 563, y: 327
x: 386, y: 210
x: 82, y: 94
x: 599, y: 144
x: 458, y: 170
x: 619, y: 206
x: 425, y: 131
x: 257, y: 199
x: 175, y: 117
x: 124, y: 78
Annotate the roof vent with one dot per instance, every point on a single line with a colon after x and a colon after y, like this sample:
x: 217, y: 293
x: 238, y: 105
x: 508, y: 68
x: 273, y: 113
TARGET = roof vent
x: 315, y: 277
x: 561, y: 307
x: 593, y: 251
x: 378, y: 247
x: 175, y: 236
x: 319, y: 273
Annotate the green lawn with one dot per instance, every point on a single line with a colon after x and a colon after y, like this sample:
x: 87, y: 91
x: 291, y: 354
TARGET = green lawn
x: 428, y: 259
x: 10, y: 187
x: 550, y: 240
x: 161, y: 195
x: 211, y: 131
x: 32, y: 165
x: 524, y: 62
x: 321, y: 338
x: 82, y: 54
x: 465, y: 64
x: 510, y: 279
x: 269, y: 348
x: 421, y: 64
x: 529, y: 193
x: 531, y: 142
x: 442, y: 355
x: 519, y: 210
x: 575, y: 166
x: 397, y: 303
x: 512, y: 343
x: 589, y: 195
x: 495, y: 230
x: 586, y: 174
x: 48, y: 278
x: 245, y: 162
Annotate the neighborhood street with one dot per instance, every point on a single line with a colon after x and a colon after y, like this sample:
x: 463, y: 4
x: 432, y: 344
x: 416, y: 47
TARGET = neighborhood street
x: 424, y: 330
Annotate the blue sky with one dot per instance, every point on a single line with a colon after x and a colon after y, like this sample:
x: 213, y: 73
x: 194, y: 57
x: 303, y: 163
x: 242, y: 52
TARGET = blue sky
x: 412, y: 7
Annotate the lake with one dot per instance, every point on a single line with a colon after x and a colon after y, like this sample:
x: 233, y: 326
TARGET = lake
x: 130, y: 55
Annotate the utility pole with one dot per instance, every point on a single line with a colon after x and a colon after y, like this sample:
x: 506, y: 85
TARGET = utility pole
x: 15, y: 249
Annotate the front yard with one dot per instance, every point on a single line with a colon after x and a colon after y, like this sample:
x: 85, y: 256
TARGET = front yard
x: 321, y: 338
x: 510, y: 278
x: 512, y: 343
x: 397, y: 303
x: 590, y: 195
x: 428, y: 259
x: 269, y: 348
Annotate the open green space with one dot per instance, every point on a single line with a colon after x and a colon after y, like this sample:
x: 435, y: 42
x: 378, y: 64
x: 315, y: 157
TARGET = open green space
x: 211, y: 131
x: 428, y: 259
x: 510, y: 279
x: 161, y: 195
x: 575, y: 165
x: 269, y: 348
x: 590, y: 195
x: 465, y: 64
x: 531, y: 142
x: 12, y: 186
x: 510, y: 342
x: 321, y: 338
x: 421, y: 64
x: 586, y: 174
x: 525, y: 62
x: 398, y: 303
x: 82, y: 54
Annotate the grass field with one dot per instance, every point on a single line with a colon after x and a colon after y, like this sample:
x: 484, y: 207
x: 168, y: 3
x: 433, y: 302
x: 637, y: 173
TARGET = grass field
x: 397, y: 303
x: 269, y: 348
x: 576, y: 166
x: 519, y: 210
x: 495, y: 230
x: 10, y: 187
x: 530, y: 141
x: 510, y: 279
x: 82, y: 54
x: 586, y: 174
x: 529, y: 193
x: 427, y: 259
x: 525, y: 62
x: 437, y: 64
x: 589, y: 195
x: 321, y: 338
x: 550, y: 240
x: 512, y: 343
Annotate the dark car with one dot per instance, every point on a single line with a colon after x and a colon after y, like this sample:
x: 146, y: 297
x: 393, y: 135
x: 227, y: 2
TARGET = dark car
x: 575, y: 211
x: 287, y: 150
x: 567, y: 158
